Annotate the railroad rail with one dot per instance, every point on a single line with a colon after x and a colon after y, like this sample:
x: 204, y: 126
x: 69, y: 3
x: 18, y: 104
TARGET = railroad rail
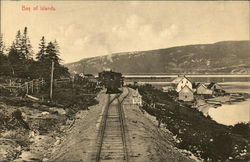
x: 111, y: 142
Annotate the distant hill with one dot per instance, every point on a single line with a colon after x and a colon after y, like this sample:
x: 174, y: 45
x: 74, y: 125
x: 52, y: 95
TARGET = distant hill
x: 228, y: 57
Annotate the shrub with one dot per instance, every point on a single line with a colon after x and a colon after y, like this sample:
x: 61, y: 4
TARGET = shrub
x: 242, y: 129
x: 220, y: 148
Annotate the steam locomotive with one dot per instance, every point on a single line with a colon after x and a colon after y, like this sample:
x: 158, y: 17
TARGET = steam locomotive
x: 111, y: 80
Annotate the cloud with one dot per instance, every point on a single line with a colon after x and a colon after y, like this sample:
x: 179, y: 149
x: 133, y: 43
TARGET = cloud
x: 138, y: 34
x: 133, y: 22
x: 135, y: 33
x: 97, y: 28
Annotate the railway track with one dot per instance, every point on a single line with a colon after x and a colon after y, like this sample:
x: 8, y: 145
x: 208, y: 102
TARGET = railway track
x: 111, y: 142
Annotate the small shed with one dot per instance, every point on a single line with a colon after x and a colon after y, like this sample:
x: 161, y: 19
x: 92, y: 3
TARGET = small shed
x: 186, y: 94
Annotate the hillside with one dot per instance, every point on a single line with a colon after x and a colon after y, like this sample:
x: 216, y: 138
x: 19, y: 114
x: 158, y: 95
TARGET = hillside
x: 229, y: 57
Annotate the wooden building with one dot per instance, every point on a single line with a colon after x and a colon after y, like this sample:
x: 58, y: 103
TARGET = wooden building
x: 186, y: 94
x: 214, y: 86
x: 201, y: 89
x: 181, y: 82
x: 216, y: 89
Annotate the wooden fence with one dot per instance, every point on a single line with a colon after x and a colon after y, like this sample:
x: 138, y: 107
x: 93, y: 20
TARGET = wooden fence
x: 30, y: 87
x: 61, y: 82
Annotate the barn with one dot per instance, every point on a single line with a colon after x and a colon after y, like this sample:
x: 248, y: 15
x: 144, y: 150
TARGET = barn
x: 186, y: 94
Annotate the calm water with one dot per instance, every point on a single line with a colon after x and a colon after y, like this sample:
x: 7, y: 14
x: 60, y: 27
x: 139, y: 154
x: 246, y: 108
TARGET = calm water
x: 231, y: 114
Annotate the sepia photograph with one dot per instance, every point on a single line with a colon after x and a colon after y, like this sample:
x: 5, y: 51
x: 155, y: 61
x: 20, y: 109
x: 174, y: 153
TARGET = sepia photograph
x: 130, y: 81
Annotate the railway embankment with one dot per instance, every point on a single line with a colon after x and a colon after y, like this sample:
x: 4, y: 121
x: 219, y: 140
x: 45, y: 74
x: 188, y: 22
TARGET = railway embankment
x: 144, y: 140
x: 78, y: 142
x: 31, y: 129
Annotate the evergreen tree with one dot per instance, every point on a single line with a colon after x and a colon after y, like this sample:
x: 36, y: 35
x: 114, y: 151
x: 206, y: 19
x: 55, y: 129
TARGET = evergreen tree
x: 20, y: 55
x: 18, y: 44
x: 42, y: 50
x: 19, y: 61
x: 2, y: 47
x: 4, y: 66
x: 26, y: 47
x: 52, y: 53
x: 57, y: 48
x: 14, y: 59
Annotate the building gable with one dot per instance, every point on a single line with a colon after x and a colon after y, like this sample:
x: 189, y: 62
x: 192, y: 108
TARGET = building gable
x: 202, y: 86
x: 182, y: 83
x: 214, y: 86
x: 186, y: 89
x: 186, y: 94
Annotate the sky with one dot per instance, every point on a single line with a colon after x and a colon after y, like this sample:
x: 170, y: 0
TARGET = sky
x: 86, y: 29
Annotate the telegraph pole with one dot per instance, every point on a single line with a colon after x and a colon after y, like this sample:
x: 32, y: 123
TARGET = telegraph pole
x: 51, y: 81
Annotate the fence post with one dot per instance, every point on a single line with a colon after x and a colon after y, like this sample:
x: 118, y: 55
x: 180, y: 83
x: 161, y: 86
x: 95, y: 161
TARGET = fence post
x: 32, y: 86
x: 37, y: 86
x: 27, y: 87
x: 55, y: 82
x: 51, y: 80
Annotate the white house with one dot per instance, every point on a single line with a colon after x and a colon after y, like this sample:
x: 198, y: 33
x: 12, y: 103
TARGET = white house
x: 186, y: 94
x: 137, y: 98
x: 181, y: 82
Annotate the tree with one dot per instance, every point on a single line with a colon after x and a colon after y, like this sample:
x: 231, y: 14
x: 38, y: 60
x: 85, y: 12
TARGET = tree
x: 19, y: 55
x: 26, y: 48
x: 2, y: 47
x: 52, y: 51
x: 57, y: 48
x: 42, y: 50
x: 4, y: 66
x: 46, y: 57
x: 18, y: 41
x: 14, y: 58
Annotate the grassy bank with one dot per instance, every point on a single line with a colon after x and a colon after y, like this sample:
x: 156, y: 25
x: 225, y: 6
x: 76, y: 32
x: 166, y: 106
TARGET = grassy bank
x: 199, y: 134
x: 26, y: 124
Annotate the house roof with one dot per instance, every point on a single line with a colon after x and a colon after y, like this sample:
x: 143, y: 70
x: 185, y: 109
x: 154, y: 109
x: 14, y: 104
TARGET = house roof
x: 187, y: 87
x: 195, y: 85
x: 178, y: 79
x: 211, y: 85
x: 136, y: 93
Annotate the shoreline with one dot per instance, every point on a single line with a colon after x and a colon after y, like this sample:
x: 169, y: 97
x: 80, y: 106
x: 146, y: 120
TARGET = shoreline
x: 209, y: 109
